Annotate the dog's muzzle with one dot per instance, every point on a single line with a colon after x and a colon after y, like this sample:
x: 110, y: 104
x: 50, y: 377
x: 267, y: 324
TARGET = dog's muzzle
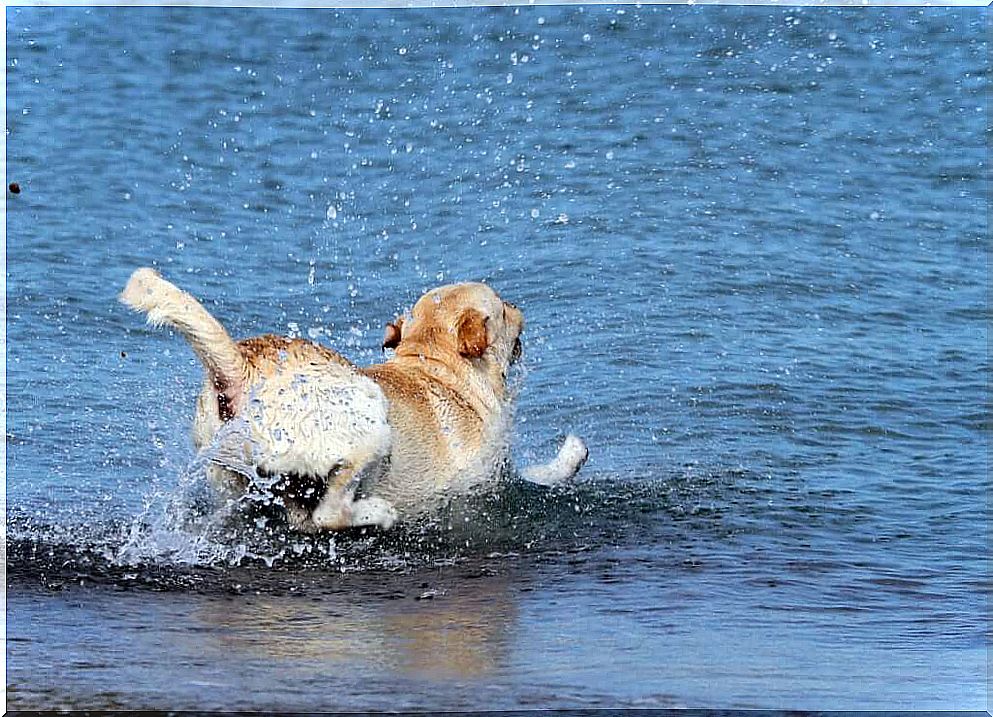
x: 515, y: 353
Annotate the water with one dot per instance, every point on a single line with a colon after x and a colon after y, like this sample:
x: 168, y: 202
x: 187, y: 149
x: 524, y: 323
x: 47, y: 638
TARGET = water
x: 750, y: 244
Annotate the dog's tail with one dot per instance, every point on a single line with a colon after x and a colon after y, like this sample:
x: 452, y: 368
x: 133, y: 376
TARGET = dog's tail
x: 167, y: 304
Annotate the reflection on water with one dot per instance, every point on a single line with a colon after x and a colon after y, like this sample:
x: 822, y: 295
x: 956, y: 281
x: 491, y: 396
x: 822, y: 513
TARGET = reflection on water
x: 456, y: 631
x: 465, y: 635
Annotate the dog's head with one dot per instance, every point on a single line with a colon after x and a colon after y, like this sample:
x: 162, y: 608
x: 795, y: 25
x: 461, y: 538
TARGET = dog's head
x: 461, y: 322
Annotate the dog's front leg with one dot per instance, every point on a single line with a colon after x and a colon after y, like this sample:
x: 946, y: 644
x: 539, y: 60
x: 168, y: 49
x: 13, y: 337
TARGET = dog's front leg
x: 571, y: 457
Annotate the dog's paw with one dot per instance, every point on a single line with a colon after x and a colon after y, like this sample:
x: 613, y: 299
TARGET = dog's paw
x: 573, y: 453
x: 570, y: 458
x: 373, y: 511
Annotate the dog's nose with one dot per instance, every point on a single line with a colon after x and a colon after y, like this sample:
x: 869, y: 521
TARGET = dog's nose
x: 510, y: 310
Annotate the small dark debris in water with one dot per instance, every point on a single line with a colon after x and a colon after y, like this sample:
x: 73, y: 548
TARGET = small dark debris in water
x: 124, y: 354
x: 14, y: 188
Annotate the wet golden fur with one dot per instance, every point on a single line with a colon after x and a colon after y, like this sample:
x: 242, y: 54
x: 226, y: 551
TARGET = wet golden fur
x: 433, y: 418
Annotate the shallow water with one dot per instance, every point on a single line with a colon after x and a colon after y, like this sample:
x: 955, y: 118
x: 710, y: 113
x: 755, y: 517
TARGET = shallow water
x: 750, y: 247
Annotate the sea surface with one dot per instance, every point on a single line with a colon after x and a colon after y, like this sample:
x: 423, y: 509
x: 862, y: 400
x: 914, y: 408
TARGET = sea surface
x: 751, y: 245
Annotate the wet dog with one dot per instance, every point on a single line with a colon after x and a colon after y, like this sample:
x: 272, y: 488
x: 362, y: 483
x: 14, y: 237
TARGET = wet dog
x: 344, y: 446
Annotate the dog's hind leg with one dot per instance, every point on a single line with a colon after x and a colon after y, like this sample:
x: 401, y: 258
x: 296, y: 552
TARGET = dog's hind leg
x: 373, y: 511
x: 299, y: 517
x: 338, y: 508
x: 571, y: 457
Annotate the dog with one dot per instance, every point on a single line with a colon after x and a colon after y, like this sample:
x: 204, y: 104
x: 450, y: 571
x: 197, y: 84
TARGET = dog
x: 344, y: 446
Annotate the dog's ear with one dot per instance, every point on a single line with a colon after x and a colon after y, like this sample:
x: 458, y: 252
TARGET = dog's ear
x: 470, y: 328
x: 391, y: 335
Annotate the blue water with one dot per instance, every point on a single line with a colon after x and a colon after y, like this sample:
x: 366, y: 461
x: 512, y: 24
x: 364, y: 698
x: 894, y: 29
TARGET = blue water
x: 751, y: 248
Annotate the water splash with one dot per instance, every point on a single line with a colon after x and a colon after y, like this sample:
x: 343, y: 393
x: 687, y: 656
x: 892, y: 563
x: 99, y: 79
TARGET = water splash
x: 186, y: 537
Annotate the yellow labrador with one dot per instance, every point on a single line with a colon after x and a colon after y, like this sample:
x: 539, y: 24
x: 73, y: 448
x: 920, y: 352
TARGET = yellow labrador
x: 433, y: 419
